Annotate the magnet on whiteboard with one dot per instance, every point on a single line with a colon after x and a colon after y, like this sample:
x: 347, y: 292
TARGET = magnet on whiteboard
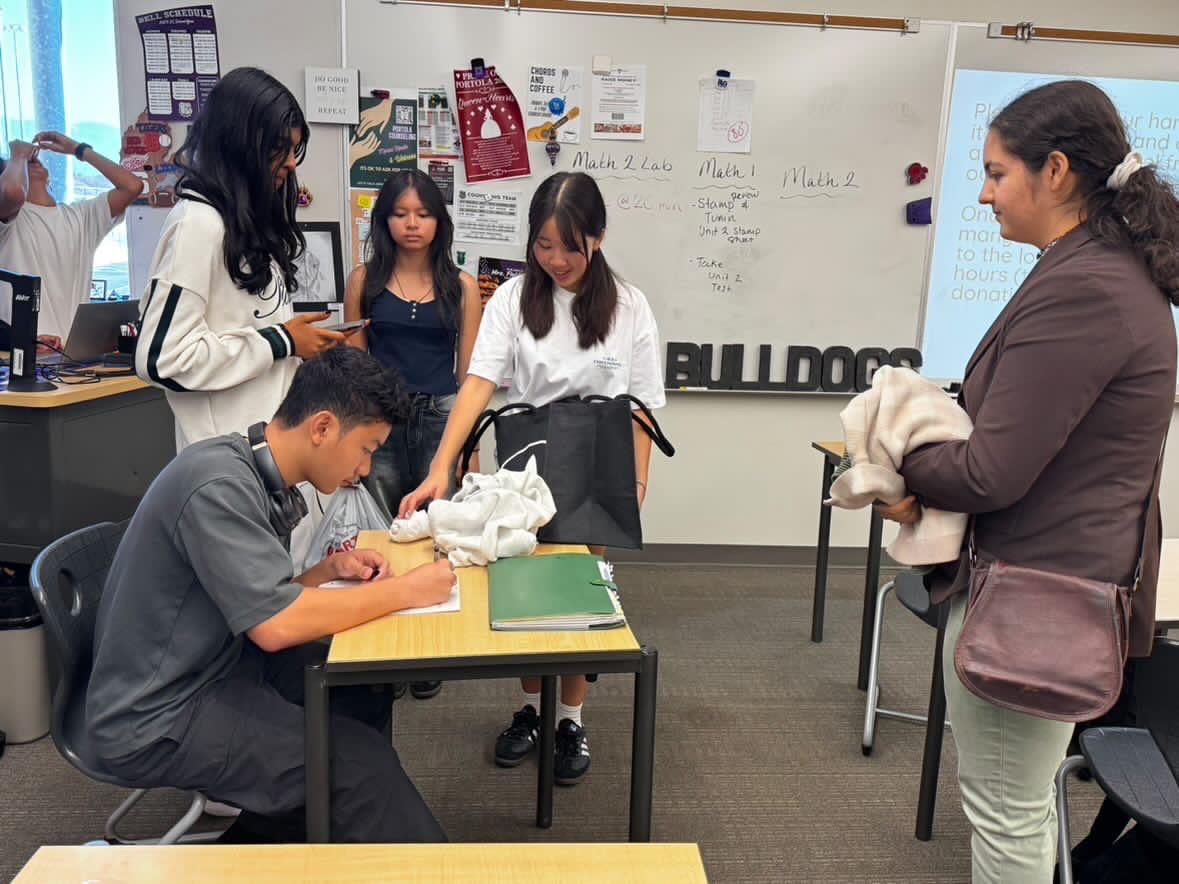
x: 602, y: 64
x: 919, y: 211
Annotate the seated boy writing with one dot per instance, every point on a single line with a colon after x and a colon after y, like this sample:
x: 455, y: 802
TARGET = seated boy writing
x: 202, y: 633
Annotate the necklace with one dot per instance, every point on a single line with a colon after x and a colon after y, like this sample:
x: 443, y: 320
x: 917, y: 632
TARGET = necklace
x: 413, y: 304
x: 1044, y: 251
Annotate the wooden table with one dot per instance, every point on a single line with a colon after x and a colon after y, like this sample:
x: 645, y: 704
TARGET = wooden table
x: 76, y: 456
x: 462, y: 645
x: 832, y: 454
x: 368, y: 864
x: 1166, y: 604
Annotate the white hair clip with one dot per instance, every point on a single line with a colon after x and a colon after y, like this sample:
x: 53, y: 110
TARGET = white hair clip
x: 1127, y: 167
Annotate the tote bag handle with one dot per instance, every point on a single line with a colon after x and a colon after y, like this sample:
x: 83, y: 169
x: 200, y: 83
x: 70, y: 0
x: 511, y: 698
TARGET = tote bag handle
x: 650, y: 425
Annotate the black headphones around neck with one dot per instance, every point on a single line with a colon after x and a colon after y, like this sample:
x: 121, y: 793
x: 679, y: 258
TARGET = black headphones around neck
x: 287, y: 504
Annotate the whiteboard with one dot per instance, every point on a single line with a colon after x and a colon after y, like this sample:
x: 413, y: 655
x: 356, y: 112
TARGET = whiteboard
x: 973, y: 272
x: 838, y: 116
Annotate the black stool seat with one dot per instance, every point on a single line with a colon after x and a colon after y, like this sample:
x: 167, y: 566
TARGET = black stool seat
x: 1131, y: 769
x: 911, y: 591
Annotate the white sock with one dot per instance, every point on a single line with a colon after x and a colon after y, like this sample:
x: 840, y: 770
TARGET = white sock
x: 573, y: 713
x: 533, y: 700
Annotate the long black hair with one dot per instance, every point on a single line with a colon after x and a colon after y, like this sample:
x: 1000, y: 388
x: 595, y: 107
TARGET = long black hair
x: 574, y: 200
x: 381, y: 250
x: 1079, y: 120
x: 227, y: 161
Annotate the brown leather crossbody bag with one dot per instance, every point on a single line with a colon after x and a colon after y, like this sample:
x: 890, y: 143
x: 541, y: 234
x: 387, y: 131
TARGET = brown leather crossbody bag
x: 1047, y: 644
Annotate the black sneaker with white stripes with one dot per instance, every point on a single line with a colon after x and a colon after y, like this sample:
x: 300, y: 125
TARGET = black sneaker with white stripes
x: 573, y: 757
x: 519, y: 739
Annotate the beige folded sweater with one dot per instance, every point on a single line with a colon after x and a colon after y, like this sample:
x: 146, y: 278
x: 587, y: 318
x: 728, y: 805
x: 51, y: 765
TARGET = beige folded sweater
x: 902, y: 412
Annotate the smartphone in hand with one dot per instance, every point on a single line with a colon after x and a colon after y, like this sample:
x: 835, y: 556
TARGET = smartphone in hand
x: 346, y: 327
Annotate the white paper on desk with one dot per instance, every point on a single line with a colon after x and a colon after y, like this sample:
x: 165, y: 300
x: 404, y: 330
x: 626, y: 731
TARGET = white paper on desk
x: 452, y: 604
x: 725, y: 123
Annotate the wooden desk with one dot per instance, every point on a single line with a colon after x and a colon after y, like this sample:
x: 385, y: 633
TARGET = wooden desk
x: 462, y: 645
x: 368, y: 864
x: 70, y: 394
x: 1166, y: 605
x: 75, y: 456
x: 832, y: 454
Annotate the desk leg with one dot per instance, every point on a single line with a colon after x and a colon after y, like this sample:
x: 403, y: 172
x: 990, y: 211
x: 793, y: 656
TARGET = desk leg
x: 819, y: 605
x: 317, y: 748
x: 642, y: 759
x: 548, y: 749
x: 871, y: 588
x: 935, y: 728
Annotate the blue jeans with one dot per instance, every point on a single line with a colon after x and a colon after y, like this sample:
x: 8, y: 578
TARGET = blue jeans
x: 403, y: 462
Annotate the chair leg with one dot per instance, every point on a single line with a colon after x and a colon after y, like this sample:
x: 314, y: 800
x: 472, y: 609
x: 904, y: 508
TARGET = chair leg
x: 185, y: 823
x: 870, y: 702
x: 935, y: 728
x: 112, y: 823
x: 175, y: 835
x: 1064, y: 846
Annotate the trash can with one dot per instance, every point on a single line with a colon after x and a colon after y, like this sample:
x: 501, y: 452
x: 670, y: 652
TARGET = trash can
x: 24, y: 667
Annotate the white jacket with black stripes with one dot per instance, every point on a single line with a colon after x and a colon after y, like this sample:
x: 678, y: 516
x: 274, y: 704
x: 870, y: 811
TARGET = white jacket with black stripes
x: 220, y: 354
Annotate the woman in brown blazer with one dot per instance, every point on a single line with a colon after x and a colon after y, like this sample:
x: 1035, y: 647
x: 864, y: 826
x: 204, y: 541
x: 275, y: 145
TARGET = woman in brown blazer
x: 1071, y: 392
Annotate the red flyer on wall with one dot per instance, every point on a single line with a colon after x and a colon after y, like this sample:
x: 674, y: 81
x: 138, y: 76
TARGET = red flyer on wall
x: 491, y: 128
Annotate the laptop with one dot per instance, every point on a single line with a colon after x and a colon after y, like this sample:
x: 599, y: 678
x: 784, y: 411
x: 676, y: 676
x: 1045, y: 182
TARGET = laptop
x: 95, y: 331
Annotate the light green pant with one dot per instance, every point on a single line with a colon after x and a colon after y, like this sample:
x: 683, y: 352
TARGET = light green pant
x: 1006, y: 765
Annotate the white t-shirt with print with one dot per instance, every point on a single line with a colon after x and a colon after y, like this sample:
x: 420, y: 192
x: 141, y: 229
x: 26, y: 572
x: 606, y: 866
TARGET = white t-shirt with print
x: 554, y: 367
x: 56, y: 243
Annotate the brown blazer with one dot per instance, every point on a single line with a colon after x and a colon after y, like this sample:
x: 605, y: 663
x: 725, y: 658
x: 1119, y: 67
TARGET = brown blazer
x: 1071, y: 392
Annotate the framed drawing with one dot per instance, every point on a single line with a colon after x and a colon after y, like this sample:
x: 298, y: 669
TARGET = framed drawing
x: 320, y: 269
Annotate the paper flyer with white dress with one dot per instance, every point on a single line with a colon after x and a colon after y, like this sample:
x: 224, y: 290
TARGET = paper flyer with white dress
x: 491, y: 127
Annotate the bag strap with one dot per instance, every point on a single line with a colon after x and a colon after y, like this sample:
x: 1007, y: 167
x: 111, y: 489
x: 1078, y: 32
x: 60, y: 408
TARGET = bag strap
x: 1151, y: 500
x: 650, y: 426
x: 485, y: 420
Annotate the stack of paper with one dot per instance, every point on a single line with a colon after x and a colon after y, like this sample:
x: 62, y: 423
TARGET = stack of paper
x: 557, y: 592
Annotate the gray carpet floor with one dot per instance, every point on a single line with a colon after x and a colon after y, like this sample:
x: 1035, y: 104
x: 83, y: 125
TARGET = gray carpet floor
x: 757, y: 745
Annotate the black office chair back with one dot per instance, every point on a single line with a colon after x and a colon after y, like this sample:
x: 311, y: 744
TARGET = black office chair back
x: 1156, y: 702
x: 67, y: 579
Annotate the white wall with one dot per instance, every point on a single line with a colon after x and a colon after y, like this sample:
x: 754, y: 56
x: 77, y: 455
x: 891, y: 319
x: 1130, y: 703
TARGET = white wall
x: 744, y: 472
x: 282, y: 36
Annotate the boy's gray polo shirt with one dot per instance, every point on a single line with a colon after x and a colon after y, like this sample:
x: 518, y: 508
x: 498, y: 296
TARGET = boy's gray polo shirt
x: 199, y: 565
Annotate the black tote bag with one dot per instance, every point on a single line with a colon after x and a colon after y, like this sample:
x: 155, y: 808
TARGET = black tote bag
x: 585, y: 452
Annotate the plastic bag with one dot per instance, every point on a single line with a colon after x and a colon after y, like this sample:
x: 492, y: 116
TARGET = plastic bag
x: 350, y: 511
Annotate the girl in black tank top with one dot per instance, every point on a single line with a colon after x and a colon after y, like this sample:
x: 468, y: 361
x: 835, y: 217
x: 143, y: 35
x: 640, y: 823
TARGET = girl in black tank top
x: 423, y: 317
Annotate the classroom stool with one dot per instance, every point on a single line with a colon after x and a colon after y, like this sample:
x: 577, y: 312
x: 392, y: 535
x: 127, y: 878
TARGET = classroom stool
x: 911, y: 592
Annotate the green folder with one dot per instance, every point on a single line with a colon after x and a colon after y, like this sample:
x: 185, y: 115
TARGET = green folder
x: 568, y: 591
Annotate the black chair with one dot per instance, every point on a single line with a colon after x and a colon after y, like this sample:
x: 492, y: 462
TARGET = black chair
x: 1136, y: 767
x: 67, y: 580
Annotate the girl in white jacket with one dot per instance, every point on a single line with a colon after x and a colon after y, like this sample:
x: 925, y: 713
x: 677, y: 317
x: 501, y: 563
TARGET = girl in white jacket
x: 218, y: 331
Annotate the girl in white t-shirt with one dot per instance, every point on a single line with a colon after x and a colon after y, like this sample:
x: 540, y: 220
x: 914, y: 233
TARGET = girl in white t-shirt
x: 566, y: 327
